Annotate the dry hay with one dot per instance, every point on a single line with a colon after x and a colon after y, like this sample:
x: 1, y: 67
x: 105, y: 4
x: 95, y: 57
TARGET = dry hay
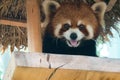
x: 13, y: 37
x: 15, y: 10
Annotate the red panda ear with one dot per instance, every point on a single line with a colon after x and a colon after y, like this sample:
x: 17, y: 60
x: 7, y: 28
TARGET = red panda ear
x: 49, y: 8
x: 99, y: 9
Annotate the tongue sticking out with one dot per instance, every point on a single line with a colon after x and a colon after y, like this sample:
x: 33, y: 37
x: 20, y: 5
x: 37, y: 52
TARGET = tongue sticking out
x: 73, y: 43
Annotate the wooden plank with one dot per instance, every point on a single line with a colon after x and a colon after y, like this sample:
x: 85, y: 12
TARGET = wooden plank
x: 111, y: 4
x: 33, y: 73
x: 13, y: 23
x: 67, y: 62
x: 10, y: 70
x: 33, y: 26
x: 24, y: 73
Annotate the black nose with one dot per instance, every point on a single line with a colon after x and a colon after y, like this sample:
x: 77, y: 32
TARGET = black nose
x: 73, y: 36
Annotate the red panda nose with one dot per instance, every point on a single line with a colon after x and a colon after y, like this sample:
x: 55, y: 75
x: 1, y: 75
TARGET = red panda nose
x: 73, y: 36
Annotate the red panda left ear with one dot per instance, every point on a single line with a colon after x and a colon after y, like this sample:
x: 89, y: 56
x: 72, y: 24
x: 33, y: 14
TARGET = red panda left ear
x: 49, y: 7
x: 99, y: 9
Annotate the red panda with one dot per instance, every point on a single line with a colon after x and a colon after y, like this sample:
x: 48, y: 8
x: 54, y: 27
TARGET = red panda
x: 71, y: 28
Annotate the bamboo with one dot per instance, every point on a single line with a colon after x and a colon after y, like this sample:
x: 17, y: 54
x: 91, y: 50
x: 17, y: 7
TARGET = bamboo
x: 33, y: 26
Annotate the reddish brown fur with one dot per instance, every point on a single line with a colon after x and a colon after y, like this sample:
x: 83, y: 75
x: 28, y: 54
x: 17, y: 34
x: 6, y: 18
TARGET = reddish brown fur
x: 75, y: 13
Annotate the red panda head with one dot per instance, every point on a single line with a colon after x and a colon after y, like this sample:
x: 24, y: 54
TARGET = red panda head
x: 74, y: 22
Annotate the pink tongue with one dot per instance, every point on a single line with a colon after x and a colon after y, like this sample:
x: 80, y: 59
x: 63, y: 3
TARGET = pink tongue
x: 73, y: 43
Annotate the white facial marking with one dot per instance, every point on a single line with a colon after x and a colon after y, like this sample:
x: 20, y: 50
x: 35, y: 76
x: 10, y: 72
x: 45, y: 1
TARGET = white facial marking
x: 90, y: 31
x: 80, y: 35
x: 76, y: 42
x: 57, y: 30
x: 58, y: 27
x: 79, y: 22
x: 76, y: 30
x: 68, y: 22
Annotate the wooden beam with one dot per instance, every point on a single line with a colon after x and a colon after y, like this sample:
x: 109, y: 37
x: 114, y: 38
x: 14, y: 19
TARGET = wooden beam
x: 33, y: 26
x: 25, y: 73
x: 70, y: 67
x: 75, y: 62
x: 13, y: 23
x: 110, y: 4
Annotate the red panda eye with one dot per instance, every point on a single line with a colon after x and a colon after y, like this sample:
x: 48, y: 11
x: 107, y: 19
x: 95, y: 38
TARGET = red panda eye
x: 81, y: 27
x: 66, y: 26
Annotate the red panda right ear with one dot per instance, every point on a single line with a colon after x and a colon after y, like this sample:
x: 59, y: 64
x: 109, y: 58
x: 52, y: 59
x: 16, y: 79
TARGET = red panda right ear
x: 99, y: 9
x: 49, y: 8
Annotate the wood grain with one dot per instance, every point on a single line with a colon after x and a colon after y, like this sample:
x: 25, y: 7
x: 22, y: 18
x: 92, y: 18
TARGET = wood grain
x: 13, y: 23
x: 23, y: 73
x: 33, y: 26
x: 68, y: 61
x: 71, y: 71
x: 110, y: 4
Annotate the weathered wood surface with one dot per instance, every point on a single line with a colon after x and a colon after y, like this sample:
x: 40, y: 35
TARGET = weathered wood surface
x: 23, y: 73
x: 67, y: 62
x: 33, y: 26
x: 110, y: 4
x: 61, y: 67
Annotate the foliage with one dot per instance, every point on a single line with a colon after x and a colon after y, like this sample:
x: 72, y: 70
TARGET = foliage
x: 13, y: 36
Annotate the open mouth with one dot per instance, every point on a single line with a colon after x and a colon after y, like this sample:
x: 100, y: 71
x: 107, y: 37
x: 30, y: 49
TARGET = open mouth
x: 73, y: 43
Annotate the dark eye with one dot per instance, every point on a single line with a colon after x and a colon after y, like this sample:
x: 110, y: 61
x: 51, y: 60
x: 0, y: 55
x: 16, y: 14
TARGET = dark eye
x: 66, y: 26
x: 81, y: 27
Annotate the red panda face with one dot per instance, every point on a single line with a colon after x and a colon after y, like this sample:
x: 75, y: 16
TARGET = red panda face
x: 73, y: 22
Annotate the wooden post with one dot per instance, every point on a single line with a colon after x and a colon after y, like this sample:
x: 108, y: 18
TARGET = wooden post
x: 33, y: 26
